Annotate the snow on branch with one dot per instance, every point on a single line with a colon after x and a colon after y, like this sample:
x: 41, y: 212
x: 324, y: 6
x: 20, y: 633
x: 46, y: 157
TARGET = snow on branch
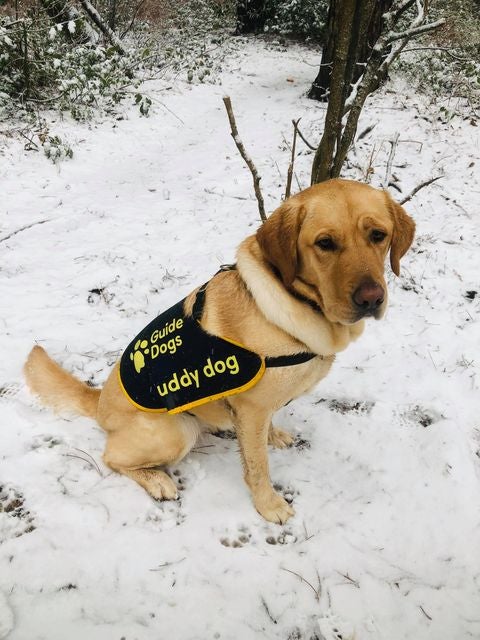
x: 97, y: 20
x: 410, y: 33
x: 249, y: 162
x: 384, y: 53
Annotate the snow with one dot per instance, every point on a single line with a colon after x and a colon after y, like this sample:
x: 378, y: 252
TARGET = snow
x: 385, y: 476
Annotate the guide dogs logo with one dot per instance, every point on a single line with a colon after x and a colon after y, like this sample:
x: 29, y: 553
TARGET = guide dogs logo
x: 174, y: 365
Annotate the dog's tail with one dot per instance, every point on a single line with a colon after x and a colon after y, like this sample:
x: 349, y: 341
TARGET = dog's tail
x: 56, y: 387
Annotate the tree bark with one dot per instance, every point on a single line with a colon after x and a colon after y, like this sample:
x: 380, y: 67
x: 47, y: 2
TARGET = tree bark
x: 367, y: 27
x: 333, y: 119
x: 338, y: 134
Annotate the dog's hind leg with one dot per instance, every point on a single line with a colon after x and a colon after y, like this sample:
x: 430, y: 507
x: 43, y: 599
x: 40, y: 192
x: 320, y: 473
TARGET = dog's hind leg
x: 149, y: 441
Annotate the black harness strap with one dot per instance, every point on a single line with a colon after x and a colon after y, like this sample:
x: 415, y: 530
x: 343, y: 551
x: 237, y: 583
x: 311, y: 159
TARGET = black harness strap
x: 270, y: 361
x: 289, y: 361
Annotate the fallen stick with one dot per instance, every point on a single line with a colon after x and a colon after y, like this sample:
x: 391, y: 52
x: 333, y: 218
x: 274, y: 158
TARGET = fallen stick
x: 253, y: 170
x: 417, y: 188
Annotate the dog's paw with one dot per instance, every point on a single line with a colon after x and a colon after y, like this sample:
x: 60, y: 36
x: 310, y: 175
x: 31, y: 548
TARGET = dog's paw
x: 274, y: 508
x: 279, y: 438
x: 160, y: 486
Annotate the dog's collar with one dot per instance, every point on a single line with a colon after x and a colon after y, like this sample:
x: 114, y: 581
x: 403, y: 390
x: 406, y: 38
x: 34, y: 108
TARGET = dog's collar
x: 301, y: 298
x: 270, y: 361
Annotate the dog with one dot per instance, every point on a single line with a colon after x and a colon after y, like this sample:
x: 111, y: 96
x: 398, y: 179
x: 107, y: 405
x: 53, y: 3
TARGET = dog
x: 299, y: 293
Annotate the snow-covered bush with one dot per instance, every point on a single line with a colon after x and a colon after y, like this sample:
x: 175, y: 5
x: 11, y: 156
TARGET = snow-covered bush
x: 41, y: 65
x: 194, y: 35
x: 300, y: 18
x: 446, y: 64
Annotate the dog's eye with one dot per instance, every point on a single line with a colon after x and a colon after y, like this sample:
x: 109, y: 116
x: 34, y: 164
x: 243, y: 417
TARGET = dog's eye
x: 326, y: 244
x: 377, y: 236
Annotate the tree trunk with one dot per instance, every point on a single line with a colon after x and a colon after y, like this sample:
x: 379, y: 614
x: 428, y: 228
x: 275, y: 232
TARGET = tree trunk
x: 367, y: 27
x: 344, y: 13
x: 351, y: 22
x: 321, y: 84
x: 112, y: 14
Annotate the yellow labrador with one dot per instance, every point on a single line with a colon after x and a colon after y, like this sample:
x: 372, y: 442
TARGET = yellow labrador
x: 304, y: 283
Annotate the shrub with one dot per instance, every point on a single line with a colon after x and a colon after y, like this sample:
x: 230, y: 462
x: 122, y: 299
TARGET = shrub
x: 42, y: 66
x: 304, y: 19
x: 446, y: 64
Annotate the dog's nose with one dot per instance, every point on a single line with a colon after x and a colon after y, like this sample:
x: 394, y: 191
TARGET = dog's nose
x: 369, y: 296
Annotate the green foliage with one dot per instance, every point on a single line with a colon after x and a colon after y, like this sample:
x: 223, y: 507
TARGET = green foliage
x: 56, y: 149
x: 304, y: 19
x: 446, y: 63
x: 42, y: 65
x: 194, y: 36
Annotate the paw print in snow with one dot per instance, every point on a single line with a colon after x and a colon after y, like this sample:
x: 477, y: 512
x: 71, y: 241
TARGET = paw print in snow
x: 137, y: 356
x: 332, y: 627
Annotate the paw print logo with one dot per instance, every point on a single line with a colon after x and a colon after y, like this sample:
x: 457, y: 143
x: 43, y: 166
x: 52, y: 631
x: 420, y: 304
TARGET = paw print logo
x: 137, y: 357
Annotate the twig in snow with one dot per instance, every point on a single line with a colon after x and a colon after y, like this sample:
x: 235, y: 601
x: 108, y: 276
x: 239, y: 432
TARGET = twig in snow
x: 351, y: 580
x: 265, y: 606
x: 366, y: 131
x: 317, y: 592
x: 307, y: 536
x: 167, y: 564
x: 420, y: 186
x: 425, y: 613
x: 253, y: 170
x: 27, y: 226
x: 292, y: 159
x: 388, y: 171
x: 224, y: 195
x: 89, y: 460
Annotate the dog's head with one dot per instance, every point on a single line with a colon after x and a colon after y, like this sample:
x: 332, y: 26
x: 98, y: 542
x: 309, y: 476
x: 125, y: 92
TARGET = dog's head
x: 329, y: 244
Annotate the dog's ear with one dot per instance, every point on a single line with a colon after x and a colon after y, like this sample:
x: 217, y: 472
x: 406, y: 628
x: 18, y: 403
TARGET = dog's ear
x: 403, y: 233
x: 278, y: 237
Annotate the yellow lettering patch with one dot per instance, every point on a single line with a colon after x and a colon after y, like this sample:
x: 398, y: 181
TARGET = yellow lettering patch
x: 174, y: 365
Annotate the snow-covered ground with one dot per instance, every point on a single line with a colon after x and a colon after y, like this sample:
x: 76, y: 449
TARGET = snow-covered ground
x: 385, y: 477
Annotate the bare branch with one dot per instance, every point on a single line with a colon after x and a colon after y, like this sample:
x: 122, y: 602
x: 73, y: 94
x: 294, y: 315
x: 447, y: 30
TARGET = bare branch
x: 135, y: 13
x: 393, y: 148
x: 292, y: 160
x: 302, y: 137
x: 447, y: 50
x: 317, y: 592
x: 418, y: 187
x: 415, y: 31
x: 267, y: 610
x: 27, y: 226
x: 366, y: 131
x: 253, y: 170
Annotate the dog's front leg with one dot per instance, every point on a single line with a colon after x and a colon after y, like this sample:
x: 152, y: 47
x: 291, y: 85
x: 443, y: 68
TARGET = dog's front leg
x: 252, y: 425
